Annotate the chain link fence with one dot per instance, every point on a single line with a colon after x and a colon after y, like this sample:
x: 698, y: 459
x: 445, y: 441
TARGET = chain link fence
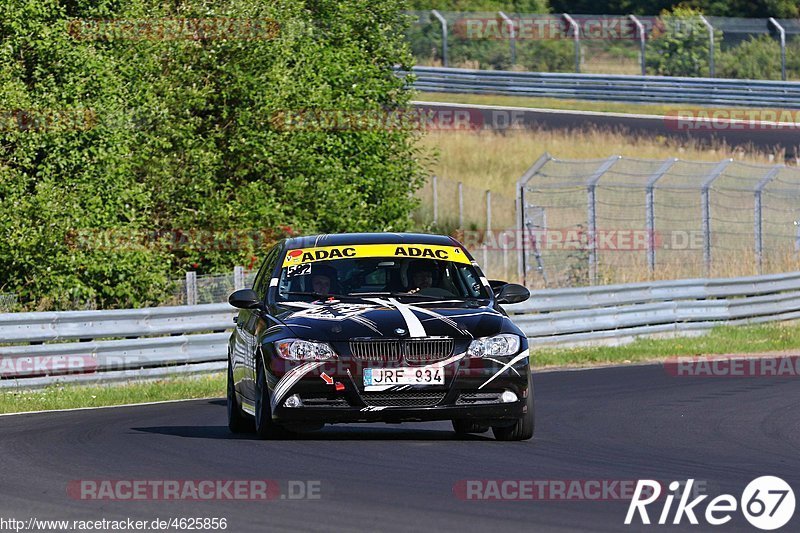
x: 7, y: 302
x: 620, y: 220
x: 476, y: 217
x: 209, y: 288
x: 602, y: 44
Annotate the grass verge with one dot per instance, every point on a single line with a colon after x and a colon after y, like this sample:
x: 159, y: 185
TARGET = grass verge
x: 722, y: 340
x: 73, y: 396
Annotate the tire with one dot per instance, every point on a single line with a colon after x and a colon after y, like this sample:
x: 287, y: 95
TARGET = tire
x: 266, y: 428
x: 238, y: 421
x: 465, y: 427
x: 522, y: 429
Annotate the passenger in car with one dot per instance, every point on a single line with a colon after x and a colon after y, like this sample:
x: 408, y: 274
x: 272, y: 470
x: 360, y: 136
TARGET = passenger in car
x: 420, y: 275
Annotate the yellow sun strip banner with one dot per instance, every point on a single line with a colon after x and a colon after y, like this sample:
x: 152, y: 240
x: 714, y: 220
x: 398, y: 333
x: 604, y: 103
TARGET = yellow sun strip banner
x: 420, y: 251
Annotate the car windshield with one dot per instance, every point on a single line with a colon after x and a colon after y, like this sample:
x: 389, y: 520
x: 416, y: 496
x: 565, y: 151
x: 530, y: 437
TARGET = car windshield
x: 407, y: 271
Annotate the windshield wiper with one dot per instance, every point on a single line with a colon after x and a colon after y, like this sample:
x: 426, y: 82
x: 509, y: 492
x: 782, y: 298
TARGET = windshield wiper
x: 318, y: 295
x: 404, y: 295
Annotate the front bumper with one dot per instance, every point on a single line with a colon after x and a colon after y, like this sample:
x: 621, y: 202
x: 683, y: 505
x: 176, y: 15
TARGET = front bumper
x: 333, y: 392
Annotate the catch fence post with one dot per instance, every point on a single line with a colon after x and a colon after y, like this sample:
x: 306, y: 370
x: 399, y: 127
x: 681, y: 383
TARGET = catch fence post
x: 706, y: 209
x: 758, y: 219
x: 191, y: 287
x: 238, y: 277
x: 591, y: 214
x: 650, y: 212
x: 443, y: 22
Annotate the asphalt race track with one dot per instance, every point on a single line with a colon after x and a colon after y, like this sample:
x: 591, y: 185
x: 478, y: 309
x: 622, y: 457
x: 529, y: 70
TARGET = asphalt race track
x: 626, y: 423
x: 763, y: 137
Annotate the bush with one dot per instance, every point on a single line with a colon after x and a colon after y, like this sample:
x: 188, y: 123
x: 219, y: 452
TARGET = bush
x: 682, y: 47
x: 758, y: 58
x: 179, y: 135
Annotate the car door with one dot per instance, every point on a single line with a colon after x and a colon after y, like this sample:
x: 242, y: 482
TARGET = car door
x: 252, y: 323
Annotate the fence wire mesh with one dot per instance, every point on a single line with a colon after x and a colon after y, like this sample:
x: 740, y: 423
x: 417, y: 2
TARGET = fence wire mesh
x: 621, y: 220
x: 208, y: 288
x: 605, y: 44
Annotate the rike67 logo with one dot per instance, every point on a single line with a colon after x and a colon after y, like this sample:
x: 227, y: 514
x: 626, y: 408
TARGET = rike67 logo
x: 767, y: 503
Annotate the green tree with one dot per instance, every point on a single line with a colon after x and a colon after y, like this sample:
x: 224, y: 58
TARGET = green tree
x: 681, y: 48
x: 514, y: 6
x: 183, y: 137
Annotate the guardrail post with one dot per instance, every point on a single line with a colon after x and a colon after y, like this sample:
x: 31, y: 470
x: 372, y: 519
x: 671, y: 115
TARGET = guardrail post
x: 522, y: 182
x: 443, y: 22
x: 576, y: 37
x: 512, y: 37
x: 642, y: 46
x: 191, y: 287
x: 460, y: 205
x: 434, y: 183
x: 238, y: 278
x: 711, y: 68
x: 591, y: 186
x: 783, y: 46
x: 758, y: 220
x: 706, y: 207
x: 650, y: 212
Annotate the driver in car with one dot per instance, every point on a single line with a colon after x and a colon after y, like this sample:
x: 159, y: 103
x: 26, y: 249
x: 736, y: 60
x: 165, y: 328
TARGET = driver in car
x: 322, y: 277
x: 420, y: 275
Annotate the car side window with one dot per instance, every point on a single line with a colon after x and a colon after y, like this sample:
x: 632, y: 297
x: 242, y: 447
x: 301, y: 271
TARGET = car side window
x: 261, y: 284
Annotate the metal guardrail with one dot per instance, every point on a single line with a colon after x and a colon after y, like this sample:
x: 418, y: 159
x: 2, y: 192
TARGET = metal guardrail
x: 620, y: 88
x: 85, y: 346
x: 559, y: 316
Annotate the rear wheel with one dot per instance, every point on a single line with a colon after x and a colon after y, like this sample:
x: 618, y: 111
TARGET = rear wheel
x: 266, y: 428
x: 522, y: 429
x: 238, y: 422
x: 464, y: 427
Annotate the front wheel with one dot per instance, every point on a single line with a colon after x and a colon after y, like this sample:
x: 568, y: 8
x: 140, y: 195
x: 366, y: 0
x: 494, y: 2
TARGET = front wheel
x: 266, y: 428
x: 522, y: 429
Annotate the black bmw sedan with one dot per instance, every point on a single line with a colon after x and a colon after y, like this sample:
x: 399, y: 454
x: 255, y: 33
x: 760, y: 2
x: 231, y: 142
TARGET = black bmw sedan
x: 377, y: 327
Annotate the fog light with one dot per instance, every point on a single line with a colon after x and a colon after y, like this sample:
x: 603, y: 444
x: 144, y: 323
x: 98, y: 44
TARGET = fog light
x: 295, y: 401
x: 508, y: 397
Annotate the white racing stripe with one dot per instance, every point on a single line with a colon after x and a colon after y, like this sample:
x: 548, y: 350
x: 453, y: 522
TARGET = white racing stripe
x: 290, y: 378
x: 501, y: 363
x: 415, y: 327
x: 508, y: 365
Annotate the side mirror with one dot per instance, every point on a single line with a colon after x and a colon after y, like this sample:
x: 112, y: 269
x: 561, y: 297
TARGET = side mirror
x: 512, y: 293
x: 497, y: 284
x: 245, y: 299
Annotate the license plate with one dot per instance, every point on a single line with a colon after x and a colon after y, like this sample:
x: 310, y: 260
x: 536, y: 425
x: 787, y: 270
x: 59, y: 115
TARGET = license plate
x: 380, y: 378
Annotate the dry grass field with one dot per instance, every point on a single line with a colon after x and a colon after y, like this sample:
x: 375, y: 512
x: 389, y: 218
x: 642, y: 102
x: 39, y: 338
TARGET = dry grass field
x: 490, y: 161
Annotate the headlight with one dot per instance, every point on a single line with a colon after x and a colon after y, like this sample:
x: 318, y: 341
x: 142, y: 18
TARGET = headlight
x: 504, y: 344
x: 300, y: 350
